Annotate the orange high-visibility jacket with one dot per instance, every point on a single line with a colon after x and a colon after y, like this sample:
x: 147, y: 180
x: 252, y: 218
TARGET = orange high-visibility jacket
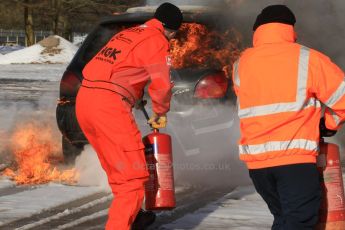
x: 280, y: 86
x: 130, y: 59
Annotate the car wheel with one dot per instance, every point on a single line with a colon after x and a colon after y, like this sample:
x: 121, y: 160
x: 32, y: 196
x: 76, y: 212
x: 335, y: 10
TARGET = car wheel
x: 70, y: 151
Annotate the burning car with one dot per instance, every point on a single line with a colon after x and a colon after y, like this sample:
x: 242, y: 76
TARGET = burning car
x: 202, y: 55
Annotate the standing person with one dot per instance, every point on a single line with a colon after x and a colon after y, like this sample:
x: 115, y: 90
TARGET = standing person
x: 280, y: 84
x: 113, y: 81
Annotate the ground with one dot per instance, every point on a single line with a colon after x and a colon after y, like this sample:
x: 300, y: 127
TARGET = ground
x: 28, y: 94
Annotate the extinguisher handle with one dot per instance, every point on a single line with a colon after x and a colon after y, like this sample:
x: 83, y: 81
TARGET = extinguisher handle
x: 142, y: 104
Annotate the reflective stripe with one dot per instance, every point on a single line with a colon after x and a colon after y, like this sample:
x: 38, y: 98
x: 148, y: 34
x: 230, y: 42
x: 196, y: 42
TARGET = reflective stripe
x: 266, y: 110
x: 335, y: 117
x: 277, y: 108
x: 299, y: 104
x: 303, y: 66
x: 337, y: 95
x: 236, y: 74
x: 279, y: 146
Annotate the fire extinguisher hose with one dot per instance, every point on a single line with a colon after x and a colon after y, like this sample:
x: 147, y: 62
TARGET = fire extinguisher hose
x: 141, y: 105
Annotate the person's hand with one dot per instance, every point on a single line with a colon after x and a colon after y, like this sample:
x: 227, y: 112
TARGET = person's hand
x: 158, y: 121
x: 324, y: 131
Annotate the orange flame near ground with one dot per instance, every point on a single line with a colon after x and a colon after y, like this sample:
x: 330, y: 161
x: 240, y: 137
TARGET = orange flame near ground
x: 196, y: 45
x: 34, y: 149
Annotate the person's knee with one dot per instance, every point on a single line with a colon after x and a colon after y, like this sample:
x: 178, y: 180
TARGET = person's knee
x: 304, y: 216
x: 136, y: 185
x: 297, y: 223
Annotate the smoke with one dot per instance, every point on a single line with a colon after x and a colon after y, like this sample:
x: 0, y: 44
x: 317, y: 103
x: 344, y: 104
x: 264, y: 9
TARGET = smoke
x: 5, y: 127
x: 204, y: 142
x: 319, y: 23
x: 27, y: 97
x: 19, y: 114
x: 90, y: 170
x: 196, y: 155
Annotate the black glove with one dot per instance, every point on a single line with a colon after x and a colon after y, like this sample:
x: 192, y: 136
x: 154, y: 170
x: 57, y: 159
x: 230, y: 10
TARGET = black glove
x: 324, y: 132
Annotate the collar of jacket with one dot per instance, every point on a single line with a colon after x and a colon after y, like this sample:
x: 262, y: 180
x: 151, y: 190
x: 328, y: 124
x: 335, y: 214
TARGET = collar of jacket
x: 274, y: 33
x: 156, y: 24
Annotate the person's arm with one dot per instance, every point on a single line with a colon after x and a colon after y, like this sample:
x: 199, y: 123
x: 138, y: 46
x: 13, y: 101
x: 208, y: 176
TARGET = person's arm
x: 154, y: 57
x: 329, y: 87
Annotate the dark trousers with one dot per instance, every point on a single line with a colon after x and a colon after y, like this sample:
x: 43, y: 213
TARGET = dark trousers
x: 292, y: 193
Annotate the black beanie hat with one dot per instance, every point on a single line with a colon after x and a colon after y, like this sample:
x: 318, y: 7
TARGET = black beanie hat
x: 275, y: 13
x: 170, y: 16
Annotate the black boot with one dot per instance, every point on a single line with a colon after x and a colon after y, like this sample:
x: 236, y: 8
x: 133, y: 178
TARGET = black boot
x: 143, y: 220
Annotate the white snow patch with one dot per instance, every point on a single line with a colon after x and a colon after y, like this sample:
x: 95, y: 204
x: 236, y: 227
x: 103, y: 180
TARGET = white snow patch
x: 78, y: 40
x: 27, y: 55
x: 241, y: 209
x: 39, y: 54
x: 28, y: 203
x: 84, y: 219
x: 33, y: 72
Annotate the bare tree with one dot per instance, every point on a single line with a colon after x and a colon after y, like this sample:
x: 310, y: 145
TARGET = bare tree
x: 59, y: 16
x: 9, y: 15
x: 68, y: 12
x: 29, y: 6
x: 29, y: 24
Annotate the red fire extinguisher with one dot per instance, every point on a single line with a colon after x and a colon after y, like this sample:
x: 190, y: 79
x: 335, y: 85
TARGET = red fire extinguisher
x: 159, y: 189
x: 332, y: 210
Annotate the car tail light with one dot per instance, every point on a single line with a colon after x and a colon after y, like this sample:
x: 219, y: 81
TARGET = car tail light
x: 213, y: 85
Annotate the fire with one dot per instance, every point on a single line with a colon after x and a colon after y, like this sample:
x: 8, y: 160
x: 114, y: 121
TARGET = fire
x: 34, y: 149
x: 198, y: 46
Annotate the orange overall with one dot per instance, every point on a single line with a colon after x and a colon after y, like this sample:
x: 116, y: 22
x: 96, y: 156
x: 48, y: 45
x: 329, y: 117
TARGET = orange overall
x: 113, y: 80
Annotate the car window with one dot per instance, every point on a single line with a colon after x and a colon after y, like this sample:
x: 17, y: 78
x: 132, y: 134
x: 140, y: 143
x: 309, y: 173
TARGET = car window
x: 100, y: 37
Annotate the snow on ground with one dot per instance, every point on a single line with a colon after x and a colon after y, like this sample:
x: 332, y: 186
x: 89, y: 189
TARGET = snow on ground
x: 78, y: 40
x: 32, y: 71
x: 17, y: 206
x: 9, y: 49
x: 53, y: 49
x: 242, y: 209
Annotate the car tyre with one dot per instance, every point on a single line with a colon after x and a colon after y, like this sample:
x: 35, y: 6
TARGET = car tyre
x: 70, y: 151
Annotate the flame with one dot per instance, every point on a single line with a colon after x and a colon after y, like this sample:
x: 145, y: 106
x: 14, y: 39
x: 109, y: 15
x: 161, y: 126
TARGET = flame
x: 34, y: 149
x: 195, y: 45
